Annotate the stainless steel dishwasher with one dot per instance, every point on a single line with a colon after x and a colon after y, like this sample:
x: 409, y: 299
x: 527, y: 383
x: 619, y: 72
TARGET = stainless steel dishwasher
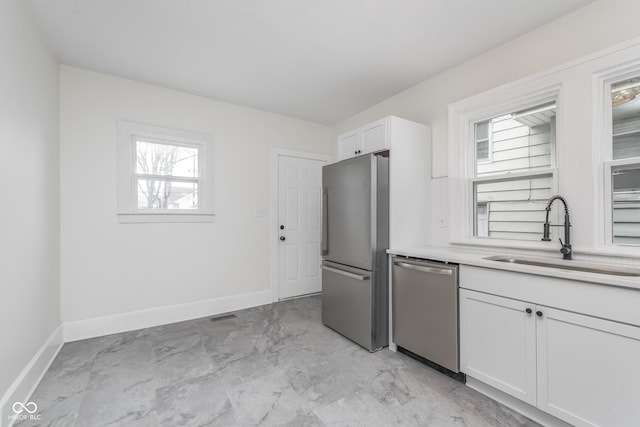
x: 425, y: 310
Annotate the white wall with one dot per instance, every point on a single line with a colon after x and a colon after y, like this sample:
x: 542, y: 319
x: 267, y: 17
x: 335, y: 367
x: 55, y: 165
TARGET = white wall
x: 594, y: 27
x: 29, y: 242
x: 591, y: 28
x: 109, y: 268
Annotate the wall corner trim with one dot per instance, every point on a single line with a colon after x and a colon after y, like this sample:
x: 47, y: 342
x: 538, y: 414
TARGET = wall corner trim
x: 147, y: 318
x: 25, y: 384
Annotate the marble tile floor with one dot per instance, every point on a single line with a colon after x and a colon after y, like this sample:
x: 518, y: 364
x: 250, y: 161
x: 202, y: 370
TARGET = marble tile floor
x: 271, y: 365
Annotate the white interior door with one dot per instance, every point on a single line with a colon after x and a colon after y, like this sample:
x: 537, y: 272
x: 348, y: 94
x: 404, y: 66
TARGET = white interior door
x: 299, y: 226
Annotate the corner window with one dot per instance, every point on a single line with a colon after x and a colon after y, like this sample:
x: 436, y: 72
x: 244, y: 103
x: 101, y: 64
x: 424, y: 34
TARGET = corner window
x: 514, y: 175
x: 623, y: 170
x: 164, y: 175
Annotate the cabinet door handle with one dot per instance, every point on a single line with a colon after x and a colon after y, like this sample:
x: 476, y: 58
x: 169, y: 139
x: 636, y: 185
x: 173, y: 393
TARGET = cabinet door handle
x: 539, y: 313
x: 529, y: 311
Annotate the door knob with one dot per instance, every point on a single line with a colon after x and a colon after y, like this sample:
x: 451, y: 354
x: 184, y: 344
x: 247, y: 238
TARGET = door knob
x: 283, y: 238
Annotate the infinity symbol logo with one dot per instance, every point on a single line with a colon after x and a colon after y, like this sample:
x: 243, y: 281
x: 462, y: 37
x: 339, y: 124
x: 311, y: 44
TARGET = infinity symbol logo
x: 20, y: 407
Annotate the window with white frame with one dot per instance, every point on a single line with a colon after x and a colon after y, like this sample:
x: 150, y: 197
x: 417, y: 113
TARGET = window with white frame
x: 167, y: 175
x: 164, y: 174
x: 622, y: 160
x: 513, y: 172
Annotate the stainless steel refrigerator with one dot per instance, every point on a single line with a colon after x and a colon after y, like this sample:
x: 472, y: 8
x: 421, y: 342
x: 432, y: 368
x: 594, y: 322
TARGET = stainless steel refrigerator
x: 355, y: 237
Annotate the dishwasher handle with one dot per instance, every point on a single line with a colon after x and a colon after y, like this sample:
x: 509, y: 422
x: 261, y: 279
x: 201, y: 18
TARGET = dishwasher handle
x: 424, y: 268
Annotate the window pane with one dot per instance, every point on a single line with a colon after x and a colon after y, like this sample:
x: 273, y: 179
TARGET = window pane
x: 520, y: 141
x: 512, y: 208
x: 482, y: 150
x: 482, y: 223
x: 166, y: 159
x: 482, y: 141
x: 625, y: 104
x: 166, y: 194
x: 626, y: 204
x: 482, y: 130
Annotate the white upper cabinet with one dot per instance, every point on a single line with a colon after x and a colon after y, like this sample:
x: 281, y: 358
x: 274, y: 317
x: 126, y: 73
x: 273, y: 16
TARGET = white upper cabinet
x: 349, y: 144
x: 367, y: 139
x: 374, y: 137
x: 409, y: 145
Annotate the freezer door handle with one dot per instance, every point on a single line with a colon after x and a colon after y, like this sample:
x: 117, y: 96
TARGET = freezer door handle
x: 424, y: 268
x: 345, y: 273
x: 325, y: 222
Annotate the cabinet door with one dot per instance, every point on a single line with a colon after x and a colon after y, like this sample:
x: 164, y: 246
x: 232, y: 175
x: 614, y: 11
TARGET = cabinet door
x: 374, y: 137
x: 497, y: 343
x: 588, y: 369
x: 349, y: 145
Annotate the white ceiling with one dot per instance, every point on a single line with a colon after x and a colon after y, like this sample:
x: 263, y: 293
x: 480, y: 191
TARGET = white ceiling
x: 319, y: 60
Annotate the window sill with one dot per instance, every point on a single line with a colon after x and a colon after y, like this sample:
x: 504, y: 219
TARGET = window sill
x: 492, y: 243
x: 163, y: 217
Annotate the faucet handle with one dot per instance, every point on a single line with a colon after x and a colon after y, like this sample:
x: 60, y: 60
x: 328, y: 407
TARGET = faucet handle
x: 565, y: 250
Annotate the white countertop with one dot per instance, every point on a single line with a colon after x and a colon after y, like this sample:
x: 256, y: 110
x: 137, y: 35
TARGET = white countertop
x: 477, y: 258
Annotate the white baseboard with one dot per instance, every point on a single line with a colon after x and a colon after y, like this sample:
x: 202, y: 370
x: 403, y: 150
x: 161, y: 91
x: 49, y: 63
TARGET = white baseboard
x: 139, y: 319
x: 23, y: 386
x: 517, y: 405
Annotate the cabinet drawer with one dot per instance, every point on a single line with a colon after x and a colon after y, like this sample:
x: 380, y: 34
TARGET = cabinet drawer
x: 608, y: 302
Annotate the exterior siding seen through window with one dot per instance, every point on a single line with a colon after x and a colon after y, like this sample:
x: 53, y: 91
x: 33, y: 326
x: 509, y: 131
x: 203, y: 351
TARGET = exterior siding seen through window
x: 513, y: 208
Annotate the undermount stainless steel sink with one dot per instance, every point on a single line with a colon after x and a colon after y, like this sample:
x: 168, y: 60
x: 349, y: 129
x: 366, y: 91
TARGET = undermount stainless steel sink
x: 612, y: 270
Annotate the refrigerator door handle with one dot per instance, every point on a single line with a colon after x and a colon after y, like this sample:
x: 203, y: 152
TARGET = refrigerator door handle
x: 325, y: 222
x: 424, y: 269
x: 345, y: 273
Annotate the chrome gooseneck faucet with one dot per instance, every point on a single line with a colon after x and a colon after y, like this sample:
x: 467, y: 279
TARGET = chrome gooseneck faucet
x: 566, y: 246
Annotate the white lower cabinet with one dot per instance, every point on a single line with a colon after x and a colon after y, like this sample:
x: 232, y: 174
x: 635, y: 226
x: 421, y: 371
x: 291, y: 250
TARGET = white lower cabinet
x: 588, y: 369
x: 581, y: 369
x: 497, y: 343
